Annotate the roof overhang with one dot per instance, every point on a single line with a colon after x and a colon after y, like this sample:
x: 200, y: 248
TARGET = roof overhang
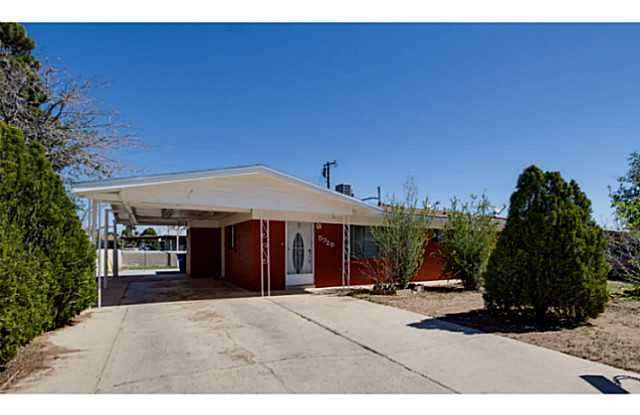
x: 225, y: 196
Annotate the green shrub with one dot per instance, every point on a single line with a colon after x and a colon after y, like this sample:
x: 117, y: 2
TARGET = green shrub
x: 401, y: 240
x: 47, y: 264
x: 469, y: 238
x: 550, y: 259
x: 24, y: 285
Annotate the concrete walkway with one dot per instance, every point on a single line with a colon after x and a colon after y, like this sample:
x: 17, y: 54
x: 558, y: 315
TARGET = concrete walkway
x: 302, y: 343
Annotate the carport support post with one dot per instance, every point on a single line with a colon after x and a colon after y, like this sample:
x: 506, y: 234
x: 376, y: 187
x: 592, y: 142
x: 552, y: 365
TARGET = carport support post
x: 96, y: 208
x: 346, y: 252
x: 90, y: 220
x: 105, y: 251
x: 116, y: 260
x: 264, y: 256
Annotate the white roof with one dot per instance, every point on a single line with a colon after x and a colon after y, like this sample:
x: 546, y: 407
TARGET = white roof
x: 257, y: 189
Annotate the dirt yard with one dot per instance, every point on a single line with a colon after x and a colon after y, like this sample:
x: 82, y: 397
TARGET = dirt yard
x: 36, y: 357
x: 613, y: 338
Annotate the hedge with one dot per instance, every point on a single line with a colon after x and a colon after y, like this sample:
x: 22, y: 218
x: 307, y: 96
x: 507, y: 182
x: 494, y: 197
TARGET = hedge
x: 47, y: 264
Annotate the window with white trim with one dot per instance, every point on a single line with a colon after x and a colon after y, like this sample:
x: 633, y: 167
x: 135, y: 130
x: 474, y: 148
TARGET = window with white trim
x: 362, y: 243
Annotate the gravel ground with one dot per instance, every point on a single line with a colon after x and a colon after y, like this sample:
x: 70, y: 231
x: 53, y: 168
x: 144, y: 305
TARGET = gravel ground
x: 613, y: 338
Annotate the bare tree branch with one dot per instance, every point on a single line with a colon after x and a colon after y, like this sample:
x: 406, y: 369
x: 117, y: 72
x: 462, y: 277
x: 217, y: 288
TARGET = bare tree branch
x: 80, y: 138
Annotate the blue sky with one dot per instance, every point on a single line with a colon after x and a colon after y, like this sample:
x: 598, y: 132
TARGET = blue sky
x: 461, y: 108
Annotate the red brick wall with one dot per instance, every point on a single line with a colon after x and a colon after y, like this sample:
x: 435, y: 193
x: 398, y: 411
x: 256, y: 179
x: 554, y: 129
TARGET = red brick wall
x: 328, y: 260
x: 242, y: 263
x: 431, y: 269
x: 205, y: 252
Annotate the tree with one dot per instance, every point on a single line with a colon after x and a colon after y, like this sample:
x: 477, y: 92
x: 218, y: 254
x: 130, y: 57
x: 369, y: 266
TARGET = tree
x: 626, y: 199
x: 402, y: 238
x: 550, y: 258
x: 155, y: 243
x: 52, y: 108
x: 149, y: 232
x: 623, y: 254
x: 129, y: 230
x: 469, y: 238
x: 47, y: 264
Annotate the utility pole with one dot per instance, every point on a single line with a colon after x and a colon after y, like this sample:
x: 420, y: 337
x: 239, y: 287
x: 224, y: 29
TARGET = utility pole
x: 326, y: 171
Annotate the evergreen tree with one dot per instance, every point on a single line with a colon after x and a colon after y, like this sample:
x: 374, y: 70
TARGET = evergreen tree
x: 47, y: 265
x: 550, y: 259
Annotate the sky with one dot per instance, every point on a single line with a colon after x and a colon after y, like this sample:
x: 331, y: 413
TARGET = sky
x: 461, y: 108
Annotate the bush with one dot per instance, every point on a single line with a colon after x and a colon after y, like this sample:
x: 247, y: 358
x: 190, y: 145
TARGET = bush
x: 47, y: 264
x: 469, y: 238
x: 401, y: 240
x: 550, y: 259
x: 24, y: 283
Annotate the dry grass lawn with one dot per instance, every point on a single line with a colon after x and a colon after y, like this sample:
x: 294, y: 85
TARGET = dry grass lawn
x: 613, y: 338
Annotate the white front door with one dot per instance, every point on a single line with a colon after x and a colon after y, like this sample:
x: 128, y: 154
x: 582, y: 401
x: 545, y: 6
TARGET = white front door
x: 299, y: 253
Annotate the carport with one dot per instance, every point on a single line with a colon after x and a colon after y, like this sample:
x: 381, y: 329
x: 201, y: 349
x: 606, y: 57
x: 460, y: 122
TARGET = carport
x: 257, y: 227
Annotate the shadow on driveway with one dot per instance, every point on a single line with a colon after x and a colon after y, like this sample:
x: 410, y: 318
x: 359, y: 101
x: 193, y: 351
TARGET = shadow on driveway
x: 604, y: 385
x: 172, y: 287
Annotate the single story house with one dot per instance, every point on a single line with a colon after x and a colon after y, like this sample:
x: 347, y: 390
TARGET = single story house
x: 254, y: 226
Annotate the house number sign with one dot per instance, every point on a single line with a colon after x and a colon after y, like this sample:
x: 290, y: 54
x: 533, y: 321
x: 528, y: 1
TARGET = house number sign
x: 326, y: 241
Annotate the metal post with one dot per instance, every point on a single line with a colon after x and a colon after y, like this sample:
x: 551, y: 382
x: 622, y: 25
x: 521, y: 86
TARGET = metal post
x: 105, y: 251
x: 268, y: 255
x: 90, y: 219
x: 343, y: 249
x: 346, y: 252
x: 94, y: 221
x: 99, y: 257
x: 265, y: 255
x: 116, y: 260
x: 261, y: 259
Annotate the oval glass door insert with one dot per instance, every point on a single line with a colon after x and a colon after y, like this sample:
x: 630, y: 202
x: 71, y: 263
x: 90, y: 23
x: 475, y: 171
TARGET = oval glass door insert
x: 298, y: 252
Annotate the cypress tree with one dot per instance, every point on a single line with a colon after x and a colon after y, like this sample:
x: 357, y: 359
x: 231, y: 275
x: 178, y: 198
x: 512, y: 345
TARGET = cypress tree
x: 47, y: 263
x: 550, y: 259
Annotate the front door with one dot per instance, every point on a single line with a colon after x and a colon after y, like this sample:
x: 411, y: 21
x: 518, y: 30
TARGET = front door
x: 299, y: 253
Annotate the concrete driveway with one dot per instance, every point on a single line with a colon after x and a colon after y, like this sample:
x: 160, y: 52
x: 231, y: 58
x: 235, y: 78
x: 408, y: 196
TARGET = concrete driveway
x: 296, y: 343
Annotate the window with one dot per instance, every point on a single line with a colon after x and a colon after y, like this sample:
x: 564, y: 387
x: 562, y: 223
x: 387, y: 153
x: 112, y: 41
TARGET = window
x: 232, y: 237
x: 362, y: 243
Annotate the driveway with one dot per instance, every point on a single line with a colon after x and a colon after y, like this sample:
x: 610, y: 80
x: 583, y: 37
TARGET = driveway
x: 233, y: 342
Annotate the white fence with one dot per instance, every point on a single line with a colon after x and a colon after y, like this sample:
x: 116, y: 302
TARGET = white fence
x: 135, y: 259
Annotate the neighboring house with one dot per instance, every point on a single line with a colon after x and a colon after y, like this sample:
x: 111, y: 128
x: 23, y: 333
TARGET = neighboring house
x: 255, y: 226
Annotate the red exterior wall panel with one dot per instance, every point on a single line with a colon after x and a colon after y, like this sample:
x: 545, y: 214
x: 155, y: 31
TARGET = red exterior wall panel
x: 328, y: 260
x: 327, y: 255
x: 242, y: 259
x: 242, y: 262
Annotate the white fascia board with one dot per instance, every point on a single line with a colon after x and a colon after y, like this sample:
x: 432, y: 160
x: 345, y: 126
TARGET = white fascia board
x: 82, y: 188
x: 109, y: 188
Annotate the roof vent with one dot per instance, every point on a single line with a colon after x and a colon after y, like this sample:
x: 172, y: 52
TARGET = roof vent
x: 344, y: 189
